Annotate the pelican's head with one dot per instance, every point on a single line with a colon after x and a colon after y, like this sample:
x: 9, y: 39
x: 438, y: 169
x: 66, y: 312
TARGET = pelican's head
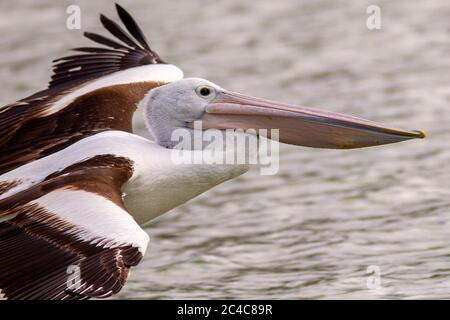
x: 180, y: 103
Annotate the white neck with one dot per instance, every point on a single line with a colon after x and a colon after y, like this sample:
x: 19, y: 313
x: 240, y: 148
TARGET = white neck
x: 160, y: 184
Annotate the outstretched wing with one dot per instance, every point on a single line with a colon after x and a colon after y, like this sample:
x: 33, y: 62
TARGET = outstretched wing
x: 93, y: 91
x: 131, y: 51
x: 70, y: 236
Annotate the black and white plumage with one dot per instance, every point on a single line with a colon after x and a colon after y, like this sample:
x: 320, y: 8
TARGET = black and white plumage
x: 90, y: 92
x: 76, y: 183
x: 61, y: 223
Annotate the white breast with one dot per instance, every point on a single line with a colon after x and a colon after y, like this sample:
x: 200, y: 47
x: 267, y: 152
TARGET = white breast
x: 158, y: 184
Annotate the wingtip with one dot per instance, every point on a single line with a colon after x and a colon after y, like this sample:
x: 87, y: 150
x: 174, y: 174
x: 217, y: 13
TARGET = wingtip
x: 119, y: 7
x: 89, y: 35
x: 104, y: 19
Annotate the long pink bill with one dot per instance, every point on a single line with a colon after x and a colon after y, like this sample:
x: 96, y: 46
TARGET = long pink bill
x: 300, y: 125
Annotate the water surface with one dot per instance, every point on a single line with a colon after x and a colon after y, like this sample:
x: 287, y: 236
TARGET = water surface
x: 312, y: 230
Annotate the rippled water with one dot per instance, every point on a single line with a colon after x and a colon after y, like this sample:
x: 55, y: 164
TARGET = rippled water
x: 312, y: 230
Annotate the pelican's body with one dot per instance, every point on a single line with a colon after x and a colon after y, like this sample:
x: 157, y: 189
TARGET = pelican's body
x: 76, y: 184
x: 154, y: 177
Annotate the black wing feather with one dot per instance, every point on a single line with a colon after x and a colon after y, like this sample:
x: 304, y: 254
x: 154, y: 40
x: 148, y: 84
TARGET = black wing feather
x: 132, y: 27
x: 124, y: 52
x: 93, y: 50
x: 117, y: 31
x: 104, y: 40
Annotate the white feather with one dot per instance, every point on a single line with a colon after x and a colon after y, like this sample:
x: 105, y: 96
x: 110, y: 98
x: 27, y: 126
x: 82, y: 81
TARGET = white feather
x: 154, y: 72
x: 110, y: 142
x: 97, y: 216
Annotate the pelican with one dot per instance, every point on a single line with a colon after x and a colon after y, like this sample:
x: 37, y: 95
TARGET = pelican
x: 76, y: 184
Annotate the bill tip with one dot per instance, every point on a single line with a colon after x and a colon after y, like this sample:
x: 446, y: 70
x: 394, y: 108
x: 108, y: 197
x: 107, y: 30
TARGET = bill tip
x: 422, y: 134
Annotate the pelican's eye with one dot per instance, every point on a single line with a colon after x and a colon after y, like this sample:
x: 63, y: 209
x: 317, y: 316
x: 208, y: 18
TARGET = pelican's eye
x: 206, y: 92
